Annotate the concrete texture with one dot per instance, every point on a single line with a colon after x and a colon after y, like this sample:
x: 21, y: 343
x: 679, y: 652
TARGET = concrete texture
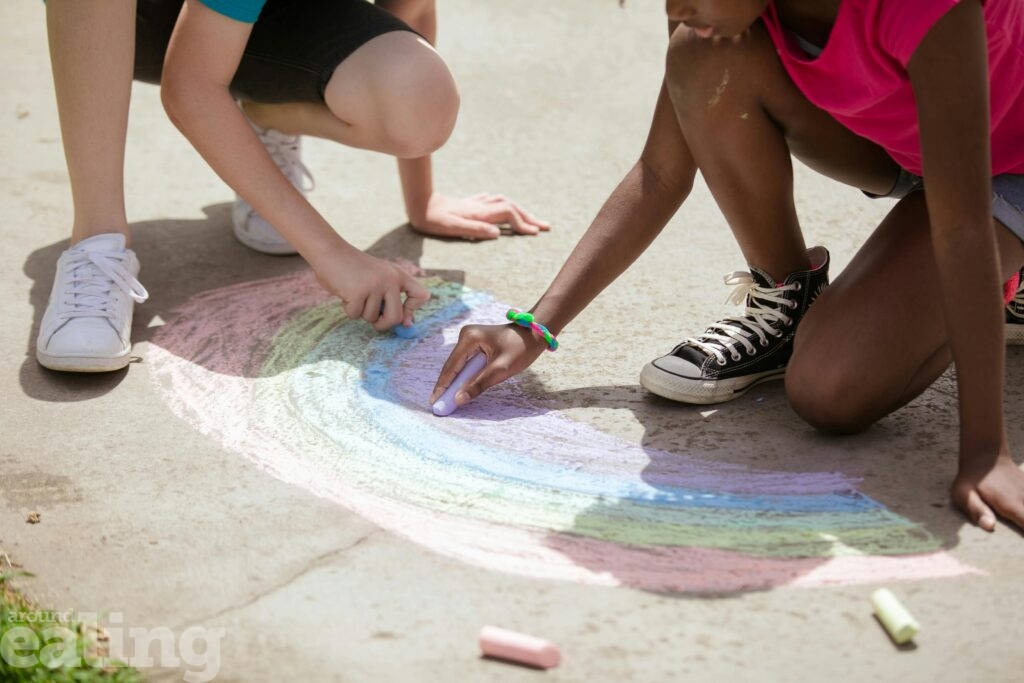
x: 143, y: 515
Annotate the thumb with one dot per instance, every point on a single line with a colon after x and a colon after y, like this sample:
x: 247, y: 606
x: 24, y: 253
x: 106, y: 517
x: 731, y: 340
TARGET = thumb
x: 495, y: 372
x: 415, y: 296
x: 976, y: 509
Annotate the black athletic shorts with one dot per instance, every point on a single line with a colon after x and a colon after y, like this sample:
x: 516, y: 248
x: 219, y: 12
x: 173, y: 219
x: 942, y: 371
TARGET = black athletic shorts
x: 293, y: 50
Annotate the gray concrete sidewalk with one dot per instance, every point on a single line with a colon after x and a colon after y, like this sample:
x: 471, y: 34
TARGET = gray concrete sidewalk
x: 144, y: 515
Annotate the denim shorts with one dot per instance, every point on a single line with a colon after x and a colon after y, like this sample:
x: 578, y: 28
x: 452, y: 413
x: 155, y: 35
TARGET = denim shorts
x: 293, y: 49
x: 1008, y: 202
x: 1007, y: 197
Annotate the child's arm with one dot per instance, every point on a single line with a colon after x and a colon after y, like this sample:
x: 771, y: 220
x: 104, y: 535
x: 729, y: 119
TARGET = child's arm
x: 430, y: 212
x: 203, y: 55
x: 950, y: 79
x: 628, y: 222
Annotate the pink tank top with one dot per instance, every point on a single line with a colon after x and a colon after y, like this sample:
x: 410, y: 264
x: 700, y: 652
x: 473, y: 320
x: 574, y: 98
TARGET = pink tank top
x: 861, y: 77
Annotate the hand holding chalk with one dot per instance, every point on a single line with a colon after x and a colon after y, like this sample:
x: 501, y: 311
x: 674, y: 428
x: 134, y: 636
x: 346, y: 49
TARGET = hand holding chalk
x: 509, y: 349
x: 445, y: 405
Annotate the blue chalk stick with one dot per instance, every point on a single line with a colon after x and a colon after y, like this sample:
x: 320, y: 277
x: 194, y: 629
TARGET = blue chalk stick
x: 404, y: 332
x: 445, y: 405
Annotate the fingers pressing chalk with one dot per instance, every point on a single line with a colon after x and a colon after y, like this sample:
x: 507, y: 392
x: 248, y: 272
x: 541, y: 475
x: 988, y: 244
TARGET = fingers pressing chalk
x: 445, y: 405
x: 519, y: 648
x: 898, y: 622
x: 403, y: 331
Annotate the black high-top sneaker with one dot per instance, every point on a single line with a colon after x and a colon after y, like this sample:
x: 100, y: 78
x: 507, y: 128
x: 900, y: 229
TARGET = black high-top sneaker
x: 738, y: 353
x: 1015, y: 315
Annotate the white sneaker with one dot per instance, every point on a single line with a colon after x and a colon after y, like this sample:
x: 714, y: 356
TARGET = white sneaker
x: 251, y: 229
x: 88, y: 321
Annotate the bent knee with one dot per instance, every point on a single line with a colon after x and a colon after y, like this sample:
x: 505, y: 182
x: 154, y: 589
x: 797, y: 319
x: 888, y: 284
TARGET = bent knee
x: 829, y: 399
x: 421, y: 115
x: 700, y: 71
x: 409, y: 97
x: 397, y: 91
x: 687, y: 60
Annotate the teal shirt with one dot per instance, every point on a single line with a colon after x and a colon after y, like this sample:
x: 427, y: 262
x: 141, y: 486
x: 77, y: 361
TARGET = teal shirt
x: 239, y: 10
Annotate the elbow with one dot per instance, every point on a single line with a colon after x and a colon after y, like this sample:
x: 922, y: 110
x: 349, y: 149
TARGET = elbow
x: 173, y: 99
x: 676, y: 180
x: 178, y: 95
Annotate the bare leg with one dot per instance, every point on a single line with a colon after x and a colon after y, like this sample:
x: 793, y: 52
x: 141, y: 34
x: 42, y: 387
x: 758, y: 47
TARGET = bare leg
x: 742, y: 116
x: 876, y: 338
x: 393, y: 95
x: 92, y: 45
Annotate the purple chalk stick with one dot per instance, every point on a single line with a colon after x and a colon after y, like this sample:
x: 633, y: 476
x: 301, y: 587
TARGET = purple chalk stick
x: 445, y: 405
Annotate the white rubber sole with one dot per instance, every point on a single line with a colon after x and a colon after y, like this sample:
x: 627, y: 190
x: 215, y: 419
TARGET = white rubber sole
x: 701, y: 392
x: 281, y: 248
x: 83, y: 363
x: 1014, y: 335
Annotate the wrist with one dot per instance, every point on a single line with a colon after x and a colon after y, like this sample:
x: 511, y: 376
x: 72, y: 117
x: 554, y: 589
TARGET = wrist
x: 979, y: 460
x: 418, y: 210
x: 537, y: 329
x: 547, y: 311
x: 534, y: 343
x: 327, y: 252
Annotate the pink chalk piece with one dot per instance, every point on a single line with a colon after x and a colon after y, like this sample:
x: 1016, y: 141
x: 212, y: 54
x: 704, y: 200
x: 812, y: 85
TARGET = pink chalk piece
x: 520, y: 648
x: 445, y: 405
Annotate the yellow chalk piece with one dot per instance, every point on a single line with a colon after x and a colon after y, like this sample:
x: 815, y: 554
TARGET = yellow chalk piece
x: 899, y: 622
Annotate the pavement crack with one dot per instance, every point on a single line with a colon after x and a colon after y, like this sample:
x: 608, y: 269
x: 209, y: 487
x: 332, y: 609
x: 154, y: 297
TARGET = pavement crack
x: 311, y: 565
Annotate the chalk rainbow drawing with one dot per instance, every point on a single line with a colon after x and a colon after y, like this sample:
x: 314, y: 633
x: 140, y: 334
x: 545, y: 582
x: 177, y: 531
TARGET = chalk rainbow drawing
x: 272, y: 370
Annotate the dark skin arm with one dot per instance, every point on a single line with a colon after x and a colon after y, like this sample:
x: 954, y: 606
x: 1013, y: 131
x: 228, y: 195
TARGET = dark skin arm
x: 949, y: 73
x: 634, y: 214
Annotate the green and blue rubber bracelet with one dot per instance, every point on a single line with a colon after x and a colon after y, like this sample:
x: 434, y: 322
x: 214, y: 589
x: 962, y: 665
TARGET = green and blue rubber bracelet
x: 526, y: 320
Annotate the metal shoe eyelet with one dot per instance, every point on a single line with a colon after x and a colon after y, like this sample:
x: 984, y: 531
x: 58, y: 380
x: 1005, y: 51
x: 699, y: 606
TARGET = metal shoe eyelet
x: 764, y: 342
x: 736, y: 357
x: 720, y: 361
x: 798, y: 286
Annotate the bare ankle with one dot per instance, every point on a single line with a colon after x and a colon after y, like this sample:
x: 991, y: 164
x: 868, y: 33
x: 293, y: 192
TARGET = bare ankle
x: 84, y: 232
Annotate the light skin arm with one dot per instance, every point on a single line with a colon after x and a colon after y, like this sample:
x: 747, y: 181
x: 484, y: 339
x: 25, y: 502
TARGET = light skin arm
x: 203, y: 55
x: 430, y: 212
x: 630, y: 219
x: 949, y: 74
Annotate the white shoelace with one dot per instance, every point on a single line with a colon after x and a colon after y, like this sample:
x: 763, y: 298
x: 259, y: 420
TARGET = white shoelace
x: 726, y: 335
x: 1017, y: 301
x: 94, y: 274
x: 285, y: 153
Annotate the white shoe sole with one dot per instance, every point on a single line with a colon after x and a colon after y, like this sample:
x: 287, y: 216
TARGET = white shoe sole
x: 1014, y: 335
x: 273, y: 248
x: 702, y: 392
x: 84, y: 363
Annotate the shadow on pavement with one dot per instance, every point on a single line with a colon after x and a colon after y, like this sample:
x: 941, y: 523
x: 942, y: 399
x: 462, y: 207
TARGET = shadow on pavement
x: 905, y: 463
x: 180, y: 259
